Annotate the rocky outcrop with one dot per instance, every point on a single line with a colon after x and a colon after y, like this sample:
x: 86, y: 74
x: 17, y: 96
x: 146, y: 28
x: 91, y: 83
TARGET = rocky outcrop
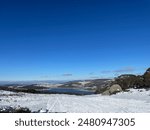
x: 132, y: 81
x: 115, y: 89
x: 112, y: 90
x: 125, y: 82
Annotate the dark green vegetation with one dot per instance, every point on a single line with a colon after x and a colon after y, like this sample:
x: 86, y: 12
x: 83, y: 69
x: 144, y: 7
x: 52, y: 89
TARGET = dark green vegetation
x: 19, y: 89
x: 146, y: 78
x: 8, y: 109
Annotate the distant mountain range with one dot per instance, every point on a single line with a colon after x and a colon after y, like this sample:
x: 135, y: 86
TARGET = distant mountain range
x: 31, y: 82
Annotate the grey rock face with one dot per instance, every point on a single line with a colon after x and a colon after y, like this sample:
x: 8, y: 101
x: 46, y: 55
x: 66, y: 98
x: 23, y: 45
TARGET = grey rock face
x: 112, y: 90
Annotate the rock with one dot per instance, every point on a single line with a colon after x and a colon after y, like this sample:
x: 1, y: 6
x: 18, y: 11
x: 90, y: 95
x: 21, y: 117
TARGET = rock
x: 126, y: 81
x: 106, y: 92
x: 112, y: 90
x: 101, y: 88
x: 115, y: 89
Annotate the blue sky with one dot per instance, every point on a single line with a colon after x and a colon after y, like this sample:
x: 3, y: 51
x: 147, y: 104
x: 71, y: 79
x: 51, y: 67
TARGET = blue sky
x: 73, y: 39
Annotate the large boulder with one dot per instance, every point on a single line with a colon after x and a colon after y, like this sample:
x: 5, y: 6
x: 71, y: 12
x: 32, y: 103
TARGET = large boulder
x: 112, y: 90
x: 115, y: 89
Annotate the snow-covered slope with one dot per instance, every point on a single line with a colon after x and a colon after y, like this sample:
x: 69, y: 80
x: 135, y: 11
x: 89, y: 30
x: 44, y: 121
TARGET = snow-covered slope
x: 132, y: 101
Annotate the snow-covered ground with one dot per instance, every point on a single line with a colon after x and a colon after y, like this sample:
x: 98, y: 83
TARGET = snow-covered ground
x: 47, y: 85
x: 126, y: 102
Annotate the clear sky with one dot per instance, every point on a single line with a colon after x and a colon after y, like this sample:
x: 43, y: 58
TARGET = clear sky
x: 73, y: 39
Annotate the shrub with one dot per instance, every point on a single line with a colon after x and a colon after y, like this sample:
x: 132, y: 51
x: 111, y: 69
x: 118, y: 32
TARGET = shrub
x: 146, y: 77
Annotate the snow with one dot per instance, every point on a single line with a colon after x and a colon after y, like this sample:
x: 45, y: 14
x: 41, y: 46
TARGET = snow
x: 47, y: 85
x: 83, y: 83
x: 134, y: 101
